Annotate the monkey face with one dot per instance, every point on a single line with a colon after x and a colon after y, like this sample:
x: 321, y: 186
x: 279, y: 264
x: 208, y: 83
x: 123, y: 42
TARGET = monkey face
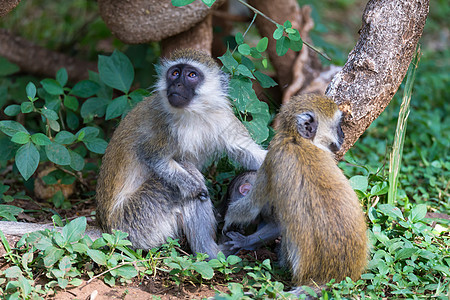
x: 182, y: 82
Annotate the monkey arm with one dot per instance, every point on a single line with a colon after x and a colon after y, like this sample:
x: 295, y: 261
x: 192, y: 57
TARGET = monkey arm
x: 241, y: 147
x: 265, y: 234
x: 187, y: 177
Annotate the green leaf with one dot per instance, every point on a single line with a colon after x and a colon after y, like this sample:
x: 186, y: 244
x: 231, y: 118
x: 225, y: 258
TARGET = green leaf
x: 282, y: 46
x: 418, y: 212
x: 241, y: 92
x: 405, y: 253
x: 278, y: 33
x: 181, y: 2
x: 31, y: 90
x: 239, y: 38
x: 58, y: 154
x: 87, y: 133
x: 7, y: 68
x: 21, y: 137
x: 391, y: 211
x: 50, y: 114
x: 27, y: 160
x: 76, y: 161
x: 204, y: 269
x: 65, y: 137
x: 117, y: 107
x: 71, y: 102
x: 233, y: 259
x: 10, y: 128
x: 40, y: 139
x: 359, y: 183
x: 138, y: 95
x: 97, y: 256
x: 61, y: 77
x: 228, y: 61
x: 294, y: 35
x: 12, y: 110
x: 73, y: 231
x: 26, y: 107
x: 287, y: 24
x: 13, y: 272
x: 116, y: 71
x: 209, y: 3
x: 96, y: 145
x: 72, y: 120
x: 296, y: 45
x: 85, y: 89
x: 127, y: 271
x: 380, y: 188
x: 262, y: 44
x: 54, y: 125
x: 52, y: 86
x: 52, y: 256
x: 243, y: 70
x: 244, y: 49
x: 58, y: 201
x: 94, y: 107
x: 264, y: 80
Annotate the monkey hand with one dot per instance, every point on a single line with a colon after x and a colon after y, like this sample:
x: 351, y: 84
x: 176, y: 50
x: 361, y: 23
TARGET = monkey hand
x: 237, y: 243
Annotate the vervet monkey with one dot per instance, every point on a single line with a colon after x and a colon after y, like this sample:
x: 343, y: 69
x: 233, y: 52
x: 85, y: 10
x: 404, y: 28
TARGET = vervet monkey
x: 150, y: 185
x: 322, y: 224
x: 267, y: 229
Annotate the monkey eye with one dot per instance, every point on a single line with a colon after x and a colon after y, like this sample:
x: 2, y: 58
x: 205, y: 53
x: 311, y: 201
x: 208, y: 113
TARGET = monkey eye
x: 192, y: 74
x: 175, y: 73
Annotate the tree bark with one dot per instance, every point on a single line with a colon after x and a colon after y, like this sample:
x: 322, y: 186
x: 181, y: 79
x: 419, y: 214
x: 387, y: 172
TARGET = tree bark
x: 7, y: 5
x: 37, y: 60
x: 377, y: 64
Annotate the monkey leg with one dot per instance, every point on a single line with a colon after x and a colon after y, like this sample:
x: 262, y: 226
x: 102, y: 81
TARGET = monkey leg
x: 199, y: 226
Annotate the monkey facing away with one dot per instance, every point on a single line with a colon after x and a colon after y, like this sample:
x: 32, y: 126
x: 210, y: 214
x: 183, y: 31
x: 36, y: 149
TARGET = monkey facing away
x: 322, y: 224
x: 150, y: 185
x: 267, y: 229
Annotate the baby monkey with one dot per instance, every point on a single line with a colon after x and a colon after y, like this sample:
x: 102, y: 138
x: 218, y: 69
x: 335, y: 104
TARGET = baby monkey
x: 322, y: 224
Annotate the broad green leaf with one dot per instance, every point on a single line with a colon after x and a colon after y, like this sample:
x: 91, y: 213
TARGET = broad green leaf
x: 241, y: 92
x: 52, y: 256
x: 127, y: 271
x: 359, y: 183
x: 296, y: 45
x: 262, y: 44
x: 96, y: 145
x: 228, y: 61
x: 73, y: 122
x: 61, y: 77
x: 54, y: 125
x: 204, y: 269
x: 239, y: 38
x: 233, y: 259
x: 117, y: 107
x: 87, y: 133
x: 40, y: 139
x: 282, y: 46
x: 391, y: 211
x: 58, y: 154
x: 209, y: 3
x: 12, y: 110
x: 380, y: 189
x: 243, y: 70
x: 98, y: 256
x: 405, y: 253
x: 294, y: 35
x: 94, y: 107
x: 76, y: 161
x: 27, y: 160
x: 287, y: 24
x: 244, y: 49
x: 58, y: 200
x: 71, y: 102
x: 138, y: 95
x: 264, y: 80
x: 73, y: 231
x: 31, y: 90
x: 7, y: 68
x: 10, y: 128
x: 26, y: 107
x: 52, y: 86
x: 21, y: 137
x: 65, y: 137
x: 278, y: 33
x: 50, y: 114
x: 85, y: 89
x: 116, y: 71
x: 418, y: 212
x: 181, y: 2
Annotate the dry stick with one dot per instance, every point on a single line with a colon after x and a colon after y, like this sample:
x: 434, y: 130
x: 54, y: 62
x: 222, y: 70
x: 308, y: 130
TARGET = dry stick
x: 256, y: 11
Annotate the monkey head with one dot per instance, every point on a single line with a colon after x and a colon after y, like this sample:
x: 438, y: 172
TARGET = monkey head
x: 314, y: 118
x: 188, y: 79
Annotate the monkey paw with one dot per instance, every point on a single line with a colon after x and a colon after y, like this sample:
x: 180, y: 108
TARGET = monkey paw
x: 237, y: 243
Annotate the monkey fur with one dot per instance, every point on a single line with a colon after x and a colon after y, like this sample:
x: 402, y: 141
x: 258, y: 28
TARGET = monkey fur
x: 149, y: 184
x: 267, y: 229
x: 322, y: 224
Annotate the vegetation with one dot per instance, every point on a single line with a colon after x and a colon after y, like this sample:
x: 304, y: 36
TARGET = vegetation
x: 50, y: 121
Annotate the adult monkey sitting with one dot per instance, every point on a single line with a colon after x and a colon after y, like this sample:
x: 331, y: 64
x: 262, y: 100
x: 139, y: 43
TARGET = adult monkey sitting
x: 150, y: 185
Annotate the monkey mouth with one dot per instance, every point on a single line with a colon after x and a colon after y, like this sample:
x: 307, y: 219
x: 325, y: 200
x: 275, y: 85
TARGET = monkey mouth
x: 177, y: 100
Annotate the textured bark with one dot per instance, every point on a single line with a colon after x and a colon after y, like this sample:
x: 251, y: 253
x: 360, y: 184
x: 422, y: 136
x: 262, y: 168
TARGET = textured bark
x: 199, y: 37
x: 305, y: 64
x: 377, y: 64
x: 37, y: 60
x: 7, y: 5
x: 142, y: 21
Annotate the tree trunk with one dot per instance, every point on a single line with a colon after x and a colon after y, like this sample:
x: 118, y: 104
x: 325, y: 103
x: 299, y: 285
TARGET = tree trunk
x: 7, y: 5
x: 377, y: 64
x: 37, y: 60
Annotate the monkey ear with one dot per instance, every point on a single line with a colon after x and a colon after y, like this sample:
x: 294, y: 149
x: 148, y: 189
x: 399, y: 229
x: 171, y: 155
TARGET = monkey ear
x: 307, y: 124
x: 245, y: 188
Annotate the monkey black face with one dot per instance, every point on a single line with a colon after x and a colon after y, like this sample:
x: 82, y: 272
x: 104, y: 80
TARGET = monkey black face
x: 182, y: 82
